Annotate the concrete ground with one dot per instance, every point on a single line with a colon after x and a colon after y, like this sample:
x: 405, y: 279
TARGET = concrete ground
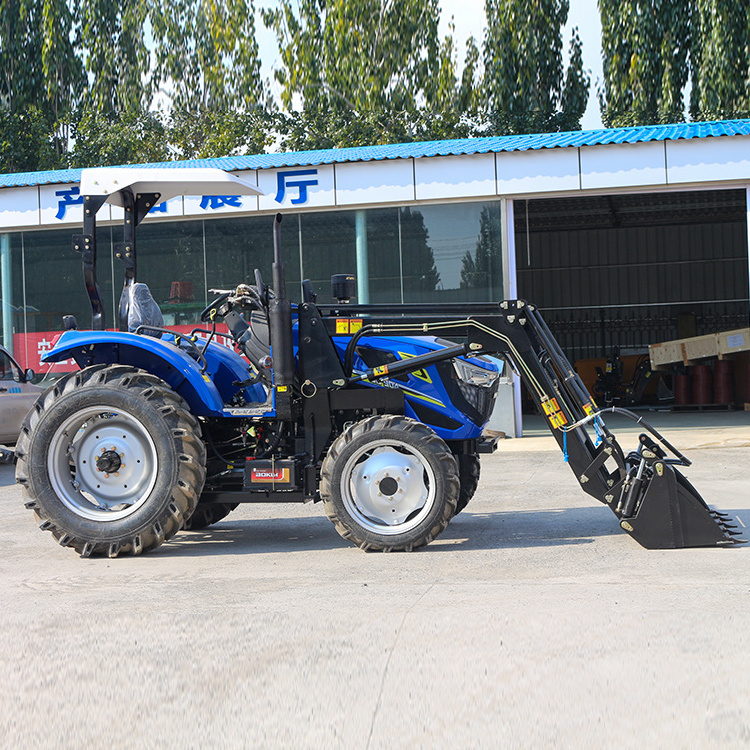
x: 533, y: 621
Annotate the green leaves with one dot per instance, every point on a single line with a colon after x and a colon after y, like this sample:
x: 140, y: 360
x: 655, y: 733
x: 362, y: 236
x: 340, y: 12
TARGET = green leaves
x: 206, y: 54
x: 362, y: 55
x: 528, y: 89
x: 720, y: 55
x: 652, y: 48
x: 645, y: 47
x: 98, y: 82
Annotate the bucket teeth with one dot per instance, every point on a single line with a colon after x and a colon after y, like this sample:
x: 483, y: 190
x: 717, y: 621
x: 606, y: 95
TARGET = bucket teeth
x: 727, y: 525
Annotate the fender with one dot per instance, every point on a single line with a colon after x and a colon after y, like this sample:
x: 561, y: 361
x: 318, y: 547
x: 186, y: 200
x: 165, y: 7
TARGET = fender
x: 161, y: 358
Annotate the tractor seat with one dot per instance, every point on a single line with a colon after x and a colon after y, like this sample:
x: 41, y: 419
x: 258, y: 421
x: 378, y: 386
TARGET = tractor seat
x: 142, y: 308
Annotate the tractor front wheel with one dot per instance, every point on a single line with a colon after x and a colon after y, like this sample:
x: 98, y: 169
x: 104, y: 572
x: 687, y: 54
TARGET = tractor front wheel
x: 389, y: 483
x: 111, y: 461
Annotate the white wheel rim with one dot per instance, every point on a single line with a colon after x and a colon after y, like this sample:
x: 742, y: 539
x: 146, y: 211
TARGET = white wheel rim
x: 102, y: 463
x: 388, y: 487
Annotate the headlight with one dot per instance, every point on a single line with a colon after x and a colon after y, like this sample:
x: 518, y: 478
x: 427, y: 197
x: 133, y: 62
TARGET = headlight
x: 473, y: 375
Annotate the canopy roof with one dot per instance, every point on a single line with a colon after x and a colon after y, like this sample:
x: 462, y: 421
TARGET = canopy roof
x: 167, y: 182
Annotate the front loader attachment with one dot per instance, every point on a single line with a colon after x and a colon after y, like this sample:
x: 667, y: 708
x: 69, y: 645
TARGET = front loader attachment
x: 653, y: 502
x: 672, y: 515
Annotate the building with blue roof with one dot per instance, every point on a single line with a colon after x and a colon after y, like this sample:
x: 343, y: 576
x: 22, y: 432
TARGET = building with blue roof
x: 624, y: 236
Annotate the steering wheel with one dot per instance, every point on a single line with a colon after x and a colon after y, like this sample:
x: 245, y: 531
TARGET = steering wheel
x: 218, y: 308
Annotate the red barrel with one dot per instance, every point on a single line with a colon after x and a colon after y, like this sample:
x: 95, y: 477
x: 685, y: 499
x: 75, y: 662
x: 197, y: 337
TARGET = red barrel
x: 723, y: 381
x: 701, y: 384
x: 681, y: 389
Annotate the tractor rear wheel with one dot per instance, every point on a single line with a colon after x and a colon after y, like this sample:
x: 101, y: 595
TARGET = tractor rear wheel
x: 111, y: 461
x: 389, y: 483
x: 468, y: 473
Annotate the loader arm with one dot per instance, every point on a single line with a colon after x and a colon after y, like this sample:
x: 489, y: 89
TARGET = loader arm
x: 650, y: 497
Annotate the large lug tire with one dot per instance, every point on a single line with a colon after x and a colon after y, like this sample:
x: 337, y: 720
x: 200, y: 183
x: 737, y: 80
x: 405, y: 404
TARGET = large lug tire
x: 389, y: 483
x: 468, y: 473
x: 111, y: 461
x: 207, y: 514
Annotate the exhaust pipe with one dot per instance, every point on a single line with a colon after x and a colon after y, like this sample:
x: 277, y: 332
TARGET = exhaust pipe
x: 280, y: 323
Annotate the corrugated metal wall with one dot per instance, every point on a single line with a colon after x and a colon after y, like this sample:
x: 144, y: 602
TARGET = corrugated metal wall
x: 633, y: 270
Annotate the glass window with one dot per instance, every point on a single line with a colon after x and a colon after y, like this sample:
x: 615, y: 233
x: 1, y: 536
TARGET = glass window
x: 11, y: 303
x: 7, y: 370
x: 414, y: 254
x: 54, y: 279
x: 170, y: 261
x: 236, y: 247
x: 328, y: 247
x: 452, y: 253
x: 384, y: 255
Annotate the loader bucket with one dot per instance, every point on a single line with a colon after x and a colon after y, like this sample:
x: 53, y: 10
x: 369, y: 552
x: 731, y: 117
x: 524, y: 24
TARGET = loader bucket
x: 672, y: 515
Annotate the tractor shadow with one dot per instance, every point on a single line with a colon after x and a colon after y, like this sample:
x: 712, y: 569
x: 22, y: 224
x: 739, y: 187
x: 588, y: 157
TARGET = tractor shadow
x: 467, y: 531
x: 255, y: 536
x: 528, y: 528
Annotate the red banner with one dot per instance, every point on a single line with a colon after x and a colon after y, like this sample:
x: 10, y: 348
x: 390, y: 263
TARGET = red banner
x: 28, y: 348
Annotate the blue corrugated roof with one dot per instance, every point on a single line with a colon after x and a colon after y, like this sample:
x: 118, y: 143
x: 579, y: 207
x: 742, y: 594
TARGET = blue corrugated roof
x: 423, y: 148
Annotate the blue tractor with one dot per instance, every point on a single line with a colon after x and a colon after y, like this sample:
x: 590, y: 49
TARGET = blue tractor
x: 375, y: 410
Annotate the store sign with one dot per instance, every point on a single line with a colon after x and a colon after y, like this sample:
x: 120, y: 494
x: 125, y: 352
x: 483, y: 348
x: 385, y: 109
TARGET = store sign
x: 28, y: 349
x: 67, y: 197
x: 309, y: 187
x: 298, y: 180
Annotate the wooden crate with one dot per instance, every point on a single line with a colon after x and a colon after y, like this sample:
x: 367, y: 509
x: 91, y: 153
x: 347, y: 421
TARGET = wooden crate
x: 700, y: 347
x: 731, y: 342
x: 665, y: 354
x: 693, y: 350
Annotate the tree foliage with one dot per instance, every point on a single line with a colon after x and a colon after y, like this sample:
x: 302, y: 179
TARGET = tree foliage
x: 527, y: 86
x: 115, y: 54
x: 653, y: 48
x: 207, y: 54
x: 362, y: 55
x: 96, y: 82
x: 645, y: 49
x: 130, y: 137
x: 720, y: 64
x: 20, y: 50
x: 25, y: 143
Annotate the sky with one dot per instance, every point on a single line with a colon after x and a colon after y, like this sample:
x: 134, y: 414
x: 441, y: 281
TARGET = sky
x: 468, y: 17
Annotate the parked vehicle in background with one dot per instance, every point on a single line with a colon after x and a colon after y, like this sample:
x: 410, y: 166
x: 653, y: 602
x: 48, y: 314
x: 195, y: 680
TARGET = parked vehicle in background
x: 17, y: 395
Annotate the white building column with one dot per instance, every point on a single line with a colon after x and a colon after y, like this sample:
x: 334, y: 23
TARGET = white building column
x: 363, y: 270
x: 506, y: 415
x: 7, y: 292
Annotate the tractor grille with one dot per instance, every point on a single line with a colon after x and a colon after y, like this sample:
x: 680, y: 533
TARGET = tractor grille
x: 476, y: 401
x: 481, y: 398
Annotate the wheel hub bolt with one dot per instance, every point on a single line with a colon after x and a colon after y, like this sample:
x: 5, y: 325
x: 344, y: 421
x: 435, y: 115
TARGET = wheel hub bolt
x: 388, y: 486
x: 109, y: 462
